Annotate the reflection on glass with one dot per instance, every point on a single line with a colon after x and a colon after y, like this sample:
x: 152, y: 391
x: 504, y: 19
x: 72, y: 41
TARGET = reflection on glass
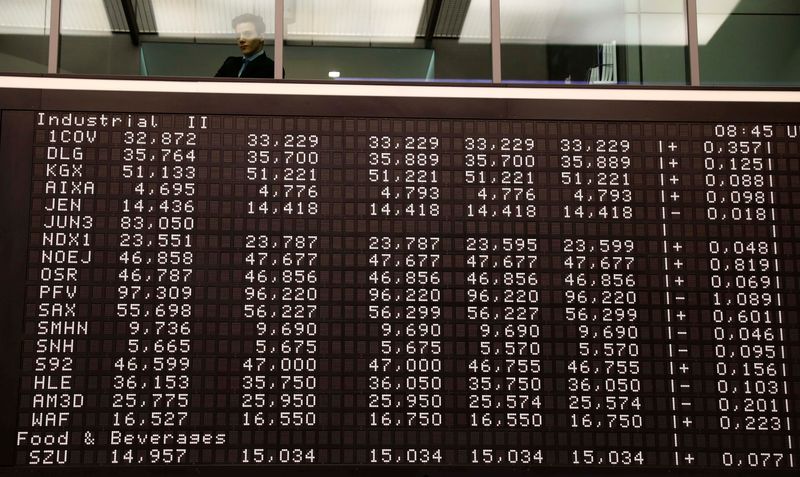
x: 594, y: 41
x: 253, y: 61
x: 195, y: 38
x: 171, y: 37
x: 95, y: 39
x: 24, y: 27
x: 749, y: 42
x: 385, y: 39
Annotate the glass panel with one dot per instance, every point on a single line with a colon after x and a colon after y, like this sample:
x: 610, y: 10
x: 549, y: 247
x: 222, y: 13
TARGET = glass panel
x: 95, y: 40
x: 176, y: 37
x: 429, y: 40
x: 24, y: 35
x: 749, y: 42
x: 594, y: 41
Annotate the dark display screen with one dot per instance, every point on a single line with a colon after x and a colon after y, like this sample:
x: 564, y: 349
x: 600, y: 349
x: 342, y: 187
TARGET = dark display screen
x: 333, y: 283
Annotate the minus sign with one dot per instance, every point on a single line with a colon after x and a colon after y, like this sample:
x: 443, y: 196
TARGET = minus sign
x: 675, y: 213
x: 686, y: 386
x: 686, y: 404
x: 683, y: 350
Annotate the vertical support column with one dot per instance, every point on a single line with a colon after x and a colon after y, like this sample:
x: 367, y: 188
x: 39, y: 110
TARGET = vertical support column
x: 495, y: 38
x: 279, y: 4
x: 55, y: 36
x: 694, y: 46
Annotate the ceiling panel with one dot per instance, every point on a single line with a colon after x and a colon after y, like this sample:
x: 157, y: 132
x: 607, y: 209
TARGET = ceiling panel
x: 452, y: 17
x: 116, y: 16
x: 203, y: 18
x: 84, y: 17
x: 24, y: 17
x: 145, y: 17
x: 345, y: 21
x: 425, y: 17
x: 529, y: 22
x: 521, y: 21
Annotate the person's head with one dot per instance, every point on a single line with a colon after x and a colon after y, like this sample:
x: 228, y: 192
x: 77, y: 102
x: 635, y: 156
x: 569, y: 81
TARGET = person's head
x: 249, y: 33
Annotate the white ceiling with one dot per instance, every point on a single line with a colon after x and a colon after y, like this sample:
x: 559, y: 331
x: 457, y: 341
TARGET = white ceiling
x: 391, y: 21
x: 84, y: 17
x: 207, y: 18
x: 24, y: 16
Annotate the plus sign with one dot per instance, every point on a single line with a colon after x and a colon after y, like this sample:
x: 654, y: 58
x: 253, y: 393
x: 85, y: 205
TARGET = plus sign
x: 678, y: 264
x: 681, y: 315
x: 679, y: 281
x: 689, y: 458
x: 674, y: 179
x: 687, y: 421
x: 672, y: 146
x: 677, y: 247
x: 675, y: 196
x: 684, y: 368
x: 673, y: 163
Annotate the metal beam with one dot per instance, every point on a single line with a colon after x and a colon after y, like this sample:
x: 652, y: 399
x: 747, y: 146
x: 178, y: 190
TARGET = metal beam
x: 55, y: 36
x: 130, y: 18
x: 433, y: 20
x: 279, y: 9
x: 693, y: 42
x: 497, y: 65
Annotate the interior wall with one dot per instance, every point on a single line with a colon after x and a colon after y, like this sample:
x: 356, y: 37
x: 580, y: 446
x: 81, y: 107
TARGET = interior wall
x: 754, y: 49
x: 460, y: 60
x: 525, y: 62
x: 664, y: 65
x: 23, y: 53
x: 103, y: 54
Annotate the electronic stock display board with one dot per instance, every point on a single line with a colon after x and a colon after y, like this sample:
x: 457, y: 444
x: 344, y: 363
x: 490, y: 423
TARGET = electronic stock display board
x: 395, y: 279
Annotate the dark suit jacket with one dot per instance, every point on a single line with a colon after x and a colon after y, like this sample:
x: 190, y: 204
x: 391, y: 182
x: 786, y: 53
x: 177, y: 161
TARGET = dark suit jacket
x: 261, y: 67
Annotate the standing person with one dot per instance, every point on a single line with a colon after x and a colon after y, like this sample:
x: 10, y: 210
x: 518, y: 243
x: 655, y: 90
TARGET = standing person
x: 254, y: 62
